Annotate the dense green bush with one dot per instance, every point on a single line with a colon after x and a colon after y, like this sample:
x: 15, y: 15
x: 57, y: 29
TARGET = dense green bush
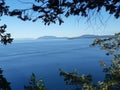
x: 35, y: 84
x: 4, y: 84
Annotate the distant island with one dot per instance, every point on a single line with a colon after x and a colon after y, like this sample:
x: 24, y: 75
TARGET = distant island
x: 51, y: 37
x: 79, y: 37
x: 91, y: 36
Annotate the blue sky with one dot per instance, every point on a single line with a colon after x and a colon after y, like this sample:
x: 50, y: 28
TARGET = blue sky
x: 72, y: 26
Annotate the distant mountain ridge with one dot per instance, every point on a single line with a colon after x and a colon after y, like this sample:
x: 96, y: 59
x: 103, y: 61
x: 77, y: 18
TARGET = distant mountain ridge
x: 79, y: 37
x: 91, y: 36
x: 51, y: 37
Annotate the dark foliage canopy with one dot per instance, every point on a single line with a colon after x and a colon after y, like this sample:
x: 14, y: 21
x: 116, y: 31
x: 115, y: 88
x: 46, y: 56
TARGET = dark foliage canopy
x: 4, y: 84
x: 51, y: 11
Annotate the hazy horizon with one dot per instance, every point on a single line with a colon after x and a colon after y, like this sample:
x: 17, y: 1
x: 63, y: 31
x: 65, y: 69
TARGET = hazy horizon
x: 58, y: 36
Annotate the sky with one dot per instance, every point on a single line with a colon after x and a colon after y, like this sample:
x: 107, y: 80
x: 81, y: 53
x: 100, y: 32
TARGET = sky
x: 72, y: 27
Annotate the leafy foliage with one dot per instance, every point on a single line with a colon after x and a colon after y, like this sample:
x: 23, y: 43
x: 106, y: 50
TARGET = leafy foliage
x: 112, y: 71
x: 4, y: 84
x: 3, y: 8
x: 35, y: 84
x: 50, y: 11
x: 79, y: 81
x: 5, y: 37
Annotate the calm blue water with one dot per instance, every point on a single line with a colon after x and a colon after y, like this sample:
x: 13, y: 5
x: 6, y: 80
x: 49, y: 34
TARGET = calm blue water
x: 45, y: 57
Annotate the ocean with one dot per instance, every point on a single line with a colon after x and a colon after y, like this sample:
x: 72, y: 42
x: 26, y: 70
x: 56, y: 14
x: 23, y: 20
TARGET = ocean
x: 45, y: 57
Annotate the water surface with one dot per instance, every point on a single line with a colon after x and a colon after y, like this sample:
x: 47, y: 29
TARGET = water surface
x: 45, y: 57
